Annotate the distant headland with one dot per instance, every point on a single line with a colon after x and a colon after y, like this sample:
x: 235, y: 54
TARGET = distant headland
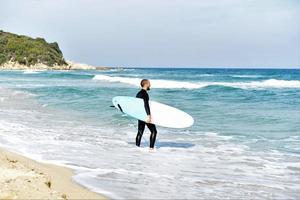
x: 19, y: 52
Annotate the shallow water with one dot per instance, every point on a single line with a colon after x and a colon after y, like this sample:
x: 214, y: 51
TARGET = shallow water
x: 245, y: 142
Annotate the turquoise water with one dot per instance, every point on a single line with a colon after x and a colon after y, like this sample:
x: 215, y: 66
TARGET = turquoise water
x: 245, y: 142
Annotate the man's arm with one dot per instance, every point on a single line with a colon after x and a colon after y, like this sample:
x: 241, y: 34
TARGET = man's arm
x: 146, y: 105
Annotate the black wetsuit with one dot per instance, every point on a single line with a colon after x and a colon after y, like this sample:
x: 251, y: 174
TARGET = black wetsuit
x: 141, y: 125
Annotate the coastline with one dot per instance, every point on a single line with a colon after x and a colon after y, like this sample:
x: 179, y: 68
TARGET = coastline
x: 24, y: 178
x: 40, y: 66
x: 42, y: 117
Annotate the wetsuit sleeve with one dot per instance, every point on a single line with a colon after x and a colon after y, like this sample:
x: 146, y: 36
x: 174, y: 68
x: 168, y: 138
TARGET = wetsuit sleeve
x: 146, y: 103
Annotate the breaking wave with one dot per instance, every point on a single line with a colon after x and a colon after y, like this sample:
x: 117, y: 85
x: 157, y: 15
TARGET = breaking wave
x: 247, y: 76
x: 157, y: 83
x: 270, y: 83
x: 33, y: 71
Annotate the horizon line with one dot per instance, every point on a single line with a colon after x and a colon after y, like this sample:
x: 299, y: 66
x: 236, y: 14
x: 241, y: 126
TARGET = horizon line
x: 206, y: 67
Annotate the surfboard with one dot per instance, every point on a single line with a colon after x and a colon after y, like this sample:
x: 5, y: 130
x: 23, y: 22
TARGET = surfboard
x: 162, y: 114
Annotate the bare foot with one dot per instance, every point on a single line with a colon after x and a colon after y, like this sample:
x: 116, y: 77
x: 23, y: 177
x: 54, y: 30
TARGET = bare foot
x: 151, y: 150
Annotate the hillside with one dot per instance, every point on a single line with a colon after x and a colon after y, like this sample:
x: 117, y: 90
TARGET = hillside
x: 27, y: 51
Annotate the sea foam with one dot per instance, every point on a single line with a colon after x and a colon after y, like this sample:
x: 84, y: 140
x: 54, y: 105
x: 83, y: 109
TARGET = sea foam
x: 33, y: 71
x: 269, y: 83
x: 171, y: 84
x: 155, y: 83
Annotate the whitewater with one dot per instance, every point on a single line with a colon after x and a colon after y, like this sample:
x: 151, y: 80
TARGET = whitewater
x: 156, y: 83
x: 244, y: 143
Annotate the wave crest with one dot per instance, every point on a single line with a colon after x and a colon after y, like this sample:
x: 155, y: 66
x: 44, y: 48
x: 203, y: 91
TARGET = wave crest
x: 270, y: 83
x: 33, y: 71
x: 155, y: 83
x: 171, y: 84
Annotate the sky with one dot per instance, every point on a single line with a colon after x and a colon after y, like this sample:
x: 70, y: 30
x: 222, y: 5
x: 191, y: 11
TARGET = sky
x: 163, y: 33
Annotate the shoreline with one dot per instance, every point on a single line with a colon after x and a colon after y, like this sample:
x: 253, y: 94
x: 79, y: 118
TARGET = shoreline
x: 24, y: 178
x: 40, y: 66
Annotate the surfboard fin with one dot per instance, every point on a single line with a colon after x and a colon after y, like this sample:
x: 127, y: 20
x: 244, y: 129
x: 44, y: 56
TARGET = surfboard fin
x: 120, y: 108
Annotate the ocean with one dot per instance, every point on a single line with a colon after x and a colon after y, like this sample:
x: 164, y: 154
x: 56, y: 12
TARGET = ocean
x: 245, y: 142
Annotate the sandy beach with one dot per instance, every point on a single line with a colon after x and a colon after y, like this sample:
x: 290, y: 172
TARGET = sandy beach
x: 23, y: 178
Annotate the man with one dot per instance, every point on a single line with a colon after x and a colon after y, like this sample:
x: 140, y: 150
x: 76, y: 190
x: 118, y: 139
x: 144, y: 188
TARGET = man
x: 145, y: 84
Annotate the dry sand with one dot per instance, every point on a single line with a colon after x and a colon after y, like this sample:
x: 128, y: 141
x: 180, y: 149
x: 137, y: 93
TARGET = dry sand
x: 23, y: 178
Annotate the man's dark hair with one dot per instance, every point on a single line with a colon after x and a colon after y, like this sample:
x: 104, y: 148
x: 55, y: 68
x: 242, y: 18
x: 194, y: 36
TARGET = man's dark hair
x: 143, y: 82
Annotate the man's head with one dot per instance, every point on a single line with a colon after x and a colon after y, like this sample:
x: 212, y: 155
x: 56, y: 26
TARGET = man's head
x: 145, y: 84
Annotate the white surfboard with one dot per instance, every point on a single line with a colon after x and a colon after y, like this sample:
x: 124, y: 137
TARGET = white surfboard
x: 162, y: 115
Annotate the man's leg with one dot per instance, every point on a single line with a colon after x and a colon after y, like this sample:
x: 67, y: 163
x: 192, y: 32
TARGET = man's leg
x: 153, y: 130
x: 141, y: 128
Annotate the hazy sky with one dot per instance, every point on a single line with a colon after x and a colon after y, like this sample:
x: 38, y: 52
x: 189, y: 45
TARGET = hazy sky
x: 178, y: 33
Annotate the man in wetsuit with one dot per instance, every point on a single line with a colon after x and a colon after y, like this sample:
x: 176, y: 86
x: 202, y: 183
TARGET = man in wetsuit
x: 145, y: 84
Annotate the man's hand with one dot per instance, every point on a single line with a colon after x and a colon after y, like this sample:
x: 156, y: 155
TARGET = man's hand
x: 148, y: 119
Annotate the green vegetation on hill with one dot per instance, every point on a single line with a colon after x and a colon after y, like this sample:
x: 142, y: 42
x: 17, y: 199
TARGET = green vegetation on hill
x: 29, y: 51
